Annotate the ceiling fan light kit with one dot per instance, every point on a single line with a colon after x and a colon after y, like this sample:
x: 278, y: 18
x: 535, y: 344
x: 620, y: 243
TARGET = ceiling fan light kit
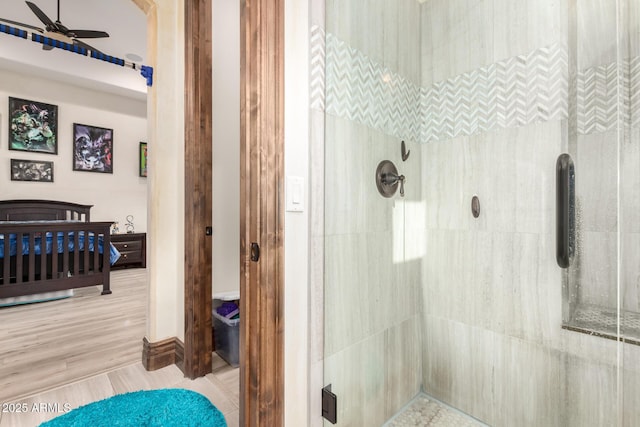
x: 56, y: 35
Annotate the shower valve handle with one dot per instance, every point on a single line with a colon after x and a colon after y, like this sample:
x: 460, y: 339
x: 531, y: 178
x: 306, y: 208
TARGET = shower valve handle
x: 392, y: 179
x: 387, y: 178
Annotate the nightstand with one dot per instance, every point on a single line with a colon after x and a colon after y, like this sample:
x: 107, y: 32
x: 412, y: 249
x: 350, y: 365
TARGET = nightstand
x: 132, y: 248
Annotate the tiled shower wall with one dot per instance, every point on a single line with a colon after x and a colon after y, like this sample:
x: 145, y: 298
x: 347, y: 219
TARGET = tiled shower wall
x: 417, y: 291
x: 492, y: 292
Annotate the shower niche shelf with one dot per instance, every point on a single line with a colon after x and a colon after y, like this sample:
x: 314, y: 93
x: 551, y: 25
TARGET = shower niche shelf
x: 602, y: 322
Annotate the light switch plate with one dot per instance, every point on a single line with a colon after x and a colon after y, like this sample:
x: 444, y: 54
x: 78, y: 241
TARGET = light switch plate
x: 295, y: 194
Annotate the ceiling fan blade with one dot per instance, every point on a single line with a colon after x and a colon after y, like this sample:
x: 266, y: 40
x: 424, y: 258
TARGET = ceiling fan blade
x: 20, y: 24
x: 41, y: 15
x: 86, y: 46
x: 88, y: 34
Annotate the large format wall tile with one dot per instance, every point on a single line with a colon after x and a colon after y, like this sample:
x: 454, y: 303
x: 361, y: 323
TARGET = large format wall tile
x: 591, y: 392
x: 630, y: 286
x: 597, y: 264
x: 366, y: 291
x: 504, y: 282
x: 384, y: 31
x: 401, y: 43
x: 357, y: 376
x: 596, y: 32
x: 458, y: 39
x: 596, y: 169
x: 403, y: 364
x: 377, y: 376
x: 456, y: 170
x: 631, y: 399
x: 522, y: 26
x: 350, y: 298
x: 445, y: 184
x: 630, y: 181
x: 529, y: 383
x: 506, y: 381
x: 457, y: 365
x: 358, y: 23
x: 352, y: 201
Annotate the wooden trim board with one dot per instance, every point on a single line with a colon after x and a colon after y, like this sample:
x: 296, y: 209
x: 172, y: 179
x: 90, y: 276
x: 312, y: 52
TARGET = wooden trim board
x: 198, y: 188
x: 163, y: 353
x: 262, y: 214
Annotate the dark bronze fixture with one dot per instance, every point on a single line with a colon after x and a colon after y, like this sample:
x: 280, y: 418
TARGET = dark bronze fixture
x: 475, y: 206
x: 387, y: 179
x: 565, y: 210
x: 403, y: 151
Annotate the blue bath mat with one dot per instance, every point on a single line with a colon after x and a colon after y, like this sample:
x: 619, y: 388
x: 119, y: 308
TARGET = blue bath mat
x: 153, y: 408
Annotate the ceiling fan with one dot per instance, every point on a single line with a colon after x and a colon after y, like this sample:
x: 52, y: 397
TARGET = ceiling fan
x: 57, y: 31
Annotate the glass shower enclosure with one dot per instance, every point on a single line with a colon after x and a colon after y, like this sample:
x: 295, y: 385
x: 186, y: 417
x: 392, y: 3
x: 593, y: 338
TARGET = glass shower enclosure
x: 502, y: 283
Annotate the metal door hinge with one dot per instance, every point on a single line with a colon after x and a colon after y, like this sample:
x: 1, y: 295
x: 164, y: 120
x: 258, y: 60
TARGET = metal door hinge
x: 329, y: 405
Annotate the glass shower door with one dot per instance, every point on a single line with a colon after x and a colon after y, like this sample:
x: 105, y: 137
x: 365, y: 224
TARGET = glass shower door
x: 452, y: 292
x: 373, y: 243
x: 629, y: 269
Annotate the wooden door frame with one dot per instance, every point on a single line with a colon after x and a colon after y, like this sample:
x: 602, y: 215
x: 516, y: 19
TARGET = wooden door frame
x: 198, y: 195
x: 262, y: 212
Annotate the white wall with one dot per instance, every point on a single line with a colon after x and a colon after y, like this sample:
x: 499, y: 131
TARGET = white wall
x: 113, y: 196
x: 226, y: 145
x: 165, y: 250
x: 296, y: 224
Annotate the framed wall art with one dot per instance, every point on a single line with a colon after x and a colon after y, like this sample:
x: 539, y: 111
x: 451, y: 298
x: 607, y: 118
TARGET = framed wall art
x: 33, y: 126
x: 31, y: 170
x: 92, y: 148
x: 143, y: 159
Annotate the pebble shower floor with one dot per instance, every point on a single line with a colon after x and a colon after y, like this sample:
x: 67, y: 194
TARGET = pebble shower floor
x: 424, y: 411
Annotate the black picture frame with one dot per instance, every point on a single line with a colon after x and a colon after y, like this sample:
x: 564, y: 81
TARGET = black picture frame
x: 92, y: 148
x: 31, y: 170
x: 33, y: 126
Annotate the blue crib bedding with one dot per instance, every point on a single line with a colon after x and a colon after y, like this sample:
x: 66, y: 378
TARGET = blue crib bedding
x: 114, y: 255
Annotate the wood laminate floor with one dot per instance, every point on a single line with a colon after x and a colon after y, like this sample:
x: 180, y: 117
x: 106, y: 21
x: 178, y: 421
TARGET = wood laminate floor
x: 221, y: 387
x: 86, y: 348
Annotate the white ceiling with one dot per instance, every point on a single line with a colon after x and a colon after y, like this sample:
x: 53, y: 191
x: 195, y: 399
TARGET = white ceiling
x: 122, y: 19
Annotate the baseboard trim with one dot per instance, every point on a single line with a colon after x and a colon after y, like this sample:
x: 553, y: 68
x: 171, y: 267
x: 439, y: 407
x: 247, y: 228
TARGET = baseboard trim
x: 180, y: 354
x: 157, y: 355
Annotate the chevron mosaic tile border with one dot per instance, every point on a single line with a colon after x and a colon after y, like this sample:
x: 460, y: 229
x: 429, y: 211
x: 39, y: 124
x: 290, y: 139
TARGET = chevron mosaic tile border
x: 317, y: 56
x: 362, y: 90
x: 632, y: 85
x: 599, y: 101
x: 515, y: 92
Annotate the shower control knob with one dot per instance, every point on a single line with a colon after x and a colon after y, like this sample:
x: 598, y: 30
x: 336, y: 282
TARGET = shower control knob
x: 387, y: 179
